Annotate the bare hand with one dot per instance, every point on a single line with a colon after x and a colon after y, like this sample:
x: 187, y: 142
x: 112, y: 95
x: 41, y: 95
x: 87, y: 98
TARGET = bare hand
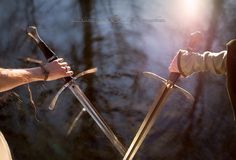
x: 58, y: 69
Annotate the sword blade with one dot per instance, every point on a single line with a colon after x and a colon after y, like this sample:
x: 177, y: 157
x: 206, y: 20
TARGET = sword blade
x: 50, y: 55
x: 153, y: 112
x: 75, y: 121
x: 97, y: 118
x: 148, y: 121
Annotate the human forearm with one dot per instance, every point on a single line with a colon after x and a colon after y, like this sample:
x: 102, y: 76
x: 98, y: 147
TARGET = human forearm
x: 10, y: 78
x: 194, y: 62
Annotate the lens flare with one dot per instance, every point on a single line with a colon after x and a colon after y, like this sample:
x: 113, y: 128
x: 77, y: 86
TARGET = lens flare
x: 190, y: 7
x: 193, y: 14
x: 190, y: 4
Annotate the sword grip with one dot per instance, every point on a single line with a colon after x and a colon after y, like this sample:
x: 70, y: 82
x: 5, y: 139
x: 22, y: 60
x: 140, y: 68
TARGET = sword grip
x: 48, y: 53
x: 173, y: 77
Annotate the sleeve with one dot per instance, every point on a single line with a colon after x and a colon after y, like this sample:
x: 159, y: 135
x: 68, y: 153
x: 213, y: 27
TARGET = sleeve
x: 189, y: 62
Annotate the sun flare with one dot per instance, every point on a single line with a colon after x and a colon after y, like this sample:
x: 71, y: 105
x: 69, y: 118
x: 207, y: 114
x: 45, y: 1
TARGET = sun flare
x: 190, y: 4
x: 190, y: 7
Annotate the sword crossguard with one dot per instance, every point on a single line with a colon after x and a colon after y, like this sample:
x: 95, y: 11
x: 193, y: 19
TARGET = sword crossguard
x: 155, y: 109
x: 173, y: 77
x: 81, y: 74
x: 50, y: 55
x: 75, y: 89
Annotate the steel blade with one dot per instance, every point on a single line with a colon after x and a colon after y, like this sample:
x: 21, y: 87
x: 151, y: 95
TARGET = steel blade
x: 75, y: 121
x: 73, y: 79
x: 97, y: 118
x: 50, y: 56
x: 148, y: 121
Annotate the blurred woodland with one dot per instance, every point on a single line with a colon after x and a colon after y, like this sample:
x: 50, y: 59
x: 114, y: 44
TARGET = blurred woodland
x: 122, y: 39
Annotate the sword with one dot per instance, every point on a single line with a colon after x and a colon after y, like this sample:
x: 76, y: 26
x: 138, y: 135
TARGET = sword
x: 75, y: 89
x: 155, y: 109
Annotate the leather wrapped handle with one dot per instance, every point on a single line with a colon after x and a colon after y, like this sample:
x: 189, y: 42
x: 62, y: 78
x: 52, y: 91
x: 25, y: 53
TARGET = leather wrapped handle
x: 48, y: 53
x: 173, y: 77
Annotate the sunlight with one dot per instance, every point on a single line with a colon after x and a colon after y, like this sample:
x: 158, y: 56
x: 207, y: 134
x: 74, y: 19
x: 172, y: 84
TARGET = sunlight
x: 192, y: 13
x: 190, y: 4
x: 190, y: 7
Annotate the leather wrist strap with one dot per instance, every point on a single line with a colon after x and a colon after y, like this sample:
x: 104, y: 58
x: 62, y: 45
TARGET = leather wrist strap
x: 44, y: 71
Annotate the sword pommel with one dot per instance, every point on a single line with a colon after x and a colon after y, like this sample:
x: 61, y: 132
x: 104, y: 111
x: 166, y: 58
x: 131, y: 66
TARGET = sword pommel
x: 48, y: 53
x: 33, y: 33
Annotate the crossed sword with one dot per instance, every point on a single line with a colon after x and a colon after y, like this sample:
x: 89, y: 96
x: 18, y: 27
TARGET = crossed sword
x: 78, y: 93
x: 161, y: 98
x: 148, y: 121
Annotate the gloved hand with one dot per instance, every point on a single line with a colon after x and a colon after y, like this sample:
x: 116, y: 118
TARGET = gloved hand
x: 173, y: 67
x: 192, y: 45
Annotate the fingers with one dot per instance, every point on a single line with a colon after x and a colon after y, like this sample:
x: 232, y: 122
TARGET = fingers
x: 59, y: 60
x: 69, y: 73
x: 64, y: 65
x: 58, y: 69
x: 68, y: 68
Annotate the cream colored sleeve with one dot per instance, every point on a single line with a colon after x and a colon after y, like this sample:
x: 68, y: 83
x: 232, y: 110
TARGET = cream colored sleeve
x: 189, y: 62
x: 5, y: 153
